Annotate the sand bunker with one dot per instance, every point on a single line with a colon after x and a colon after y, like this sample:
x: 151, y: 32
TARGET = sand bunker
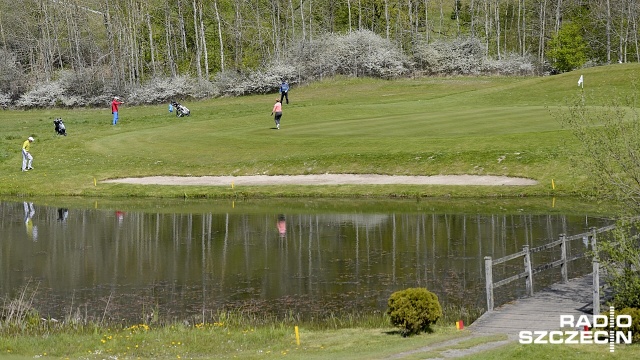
x: 329, y: 179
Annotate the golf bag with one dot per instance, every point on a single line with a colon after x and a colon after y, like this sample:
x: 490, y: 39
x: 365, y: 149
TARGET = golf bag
x: 59, y: 127
x: 181, y: 110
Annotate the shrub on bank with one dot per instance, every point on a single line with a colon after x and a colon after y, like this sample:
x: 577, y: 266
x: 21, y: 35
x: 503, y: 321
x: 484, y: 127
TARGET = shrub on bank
x: 414, y: 310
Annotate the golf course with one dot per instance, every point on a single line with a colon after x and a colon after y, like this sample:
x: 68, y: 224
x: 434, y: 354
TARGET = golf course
x: 415, y: 127
x: 498, y: 126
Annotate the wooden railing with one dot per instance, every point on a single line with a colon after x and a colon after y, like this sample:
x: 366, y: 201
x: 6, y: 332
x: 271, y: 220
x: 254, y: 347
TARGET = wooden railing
x: 530, y: 270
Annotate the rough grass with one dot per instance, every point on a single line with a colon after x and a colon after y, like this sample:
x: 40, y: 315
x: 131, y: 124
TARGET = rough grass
x: 426, y: 126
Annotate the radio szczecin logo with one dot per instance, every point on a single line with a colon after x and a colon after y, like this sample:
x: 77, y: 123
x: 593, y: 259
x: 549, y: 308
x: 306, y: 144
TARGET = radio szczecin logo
x: 598, y: 329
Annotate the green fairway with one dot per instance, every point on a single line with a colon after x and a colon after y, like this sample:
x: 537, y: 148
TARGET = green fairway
x: 424, y: 126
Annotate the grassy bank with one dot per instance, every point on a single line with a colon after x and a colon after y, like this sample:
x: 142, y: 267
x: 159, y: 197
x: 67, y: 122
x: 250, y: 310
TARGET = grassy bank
x: 221, y: 341
x: 492, y: 126
x: 226, y: 334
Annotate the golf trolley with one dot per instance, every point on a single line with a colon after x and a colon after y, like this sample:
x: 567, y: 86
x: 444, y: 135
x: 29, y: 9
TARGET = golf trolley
x: 59, y: 127
x: 181, y: 110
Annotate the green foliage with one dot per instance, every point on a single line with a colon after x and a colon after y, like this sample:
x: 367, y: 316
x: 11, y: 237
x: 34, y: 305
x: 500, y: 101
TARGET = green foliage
x: 414, y: 310
x: 567, y: 49
x: 610, y: 134
x: 635, y: 322
x: 621, y: 260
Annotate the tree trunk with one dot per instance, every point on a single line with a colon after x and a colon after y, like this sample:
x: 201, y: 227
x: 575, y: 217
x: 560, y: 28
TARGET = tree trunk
x: 608, y: 30
x: 152, y: 49
x: 197, y: 40
x: 497, y: 20
x: 215, y: 6
x: 203, y: 41
x: 426, y: 20
x: 168, y: 35
x: 349, y: 11
x: 115, y: 74
x: 237, y: 34
x: 386, y: 17
x: 183, y: 28
x: 304, y: 35
x: 541, y: 36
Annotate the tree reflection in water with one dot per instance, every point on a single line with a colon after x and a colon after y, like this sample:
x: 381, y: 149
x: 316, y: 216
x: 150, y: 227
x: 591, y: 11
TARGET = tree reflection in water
x: 181, y: 265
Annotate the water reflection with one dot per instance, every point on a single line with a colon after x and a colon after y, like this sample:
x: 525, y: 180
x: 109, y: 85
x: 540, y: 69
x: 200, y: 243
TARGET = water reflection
x: 32, y: 230
x: 125, y: 265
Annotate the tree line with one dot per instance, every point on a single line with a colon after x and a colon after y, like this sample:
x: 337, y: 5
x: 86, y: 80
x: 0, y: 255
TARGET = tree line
x: 97, y: 46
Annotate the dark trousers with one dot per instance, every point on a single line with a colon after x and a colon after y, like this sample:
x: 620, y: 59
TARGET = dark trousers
x: 284, y: 95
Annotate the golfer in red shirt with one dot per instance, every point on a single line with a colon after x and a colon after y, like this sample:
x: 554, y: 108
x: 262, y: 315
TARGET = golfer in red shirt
x: 114, y: 108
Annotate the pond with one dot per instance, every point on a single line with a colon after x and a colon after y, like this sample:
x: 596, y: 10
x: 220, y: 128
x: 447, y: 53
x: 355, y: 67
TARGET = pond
x: 103, y: 259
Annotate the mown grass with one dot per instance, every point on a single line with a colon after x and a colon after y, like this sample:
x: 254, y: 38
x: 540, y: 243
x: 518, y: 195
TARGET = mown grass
x: 425, y: 126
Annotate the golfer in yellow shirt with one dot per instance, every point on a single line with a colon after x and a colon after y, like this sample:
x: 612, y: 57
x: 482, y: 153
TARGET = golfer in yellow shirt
x: 27, y: 159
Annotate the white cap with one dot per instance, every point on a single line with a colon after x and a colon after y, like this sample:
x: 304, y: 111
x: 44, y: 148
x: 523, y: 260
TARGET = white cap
x: 30, y: 138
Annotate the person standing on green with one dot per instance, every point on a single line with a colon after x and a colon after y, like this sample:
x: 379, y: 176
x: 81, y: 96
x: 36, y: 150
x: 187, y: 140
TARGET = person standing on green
x: 114, y: 108
x: 27, y: 159
x: 277, y: 110
x: 284, y: 91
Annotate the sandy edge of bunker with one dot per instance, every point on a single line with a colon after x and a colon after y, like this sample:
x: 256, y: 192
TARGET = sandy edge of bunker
x: 328, y: 179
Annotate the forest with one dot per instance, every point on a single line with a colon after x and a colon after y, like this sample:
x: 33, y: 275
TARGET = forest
x: 82, y: 52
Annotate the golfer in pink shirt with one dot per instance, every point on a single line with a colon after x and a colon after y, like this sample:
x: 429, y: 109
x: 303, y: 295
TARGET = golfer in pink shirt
x: 277, y: 109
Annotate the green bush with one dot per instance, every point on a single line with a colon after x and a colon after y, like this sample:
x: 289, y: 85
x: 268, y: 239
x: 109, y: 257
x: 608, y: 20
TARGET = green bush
x: 635, y: 322
x: 625, y: 286
x: 414, y: 310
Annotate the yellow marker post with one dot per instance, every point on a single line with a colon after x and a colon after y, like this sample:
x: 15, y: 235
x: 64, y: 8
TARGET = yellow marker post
x: 553, y: 184
x: 297, y: 336
x: 553, y: 202
x: 232, y: 185
x: 95, y: 183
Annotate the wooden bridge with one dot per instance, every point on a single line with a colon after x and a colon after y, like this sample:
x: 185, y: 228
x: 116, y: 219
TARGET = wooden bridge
x: 542, y: 310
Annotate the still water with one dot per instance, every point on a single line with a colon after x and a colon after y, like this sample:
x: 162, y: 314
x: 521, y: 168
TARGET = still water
x: 183, y: 261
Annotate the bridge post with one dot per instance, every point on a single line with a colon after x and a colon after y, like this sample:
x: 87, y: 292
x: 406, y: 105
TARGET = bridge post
x: 563, y: 256
x: 596, y: 287
x: 488, y: 276
x: 527, y: 268
x: 596, y: 272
